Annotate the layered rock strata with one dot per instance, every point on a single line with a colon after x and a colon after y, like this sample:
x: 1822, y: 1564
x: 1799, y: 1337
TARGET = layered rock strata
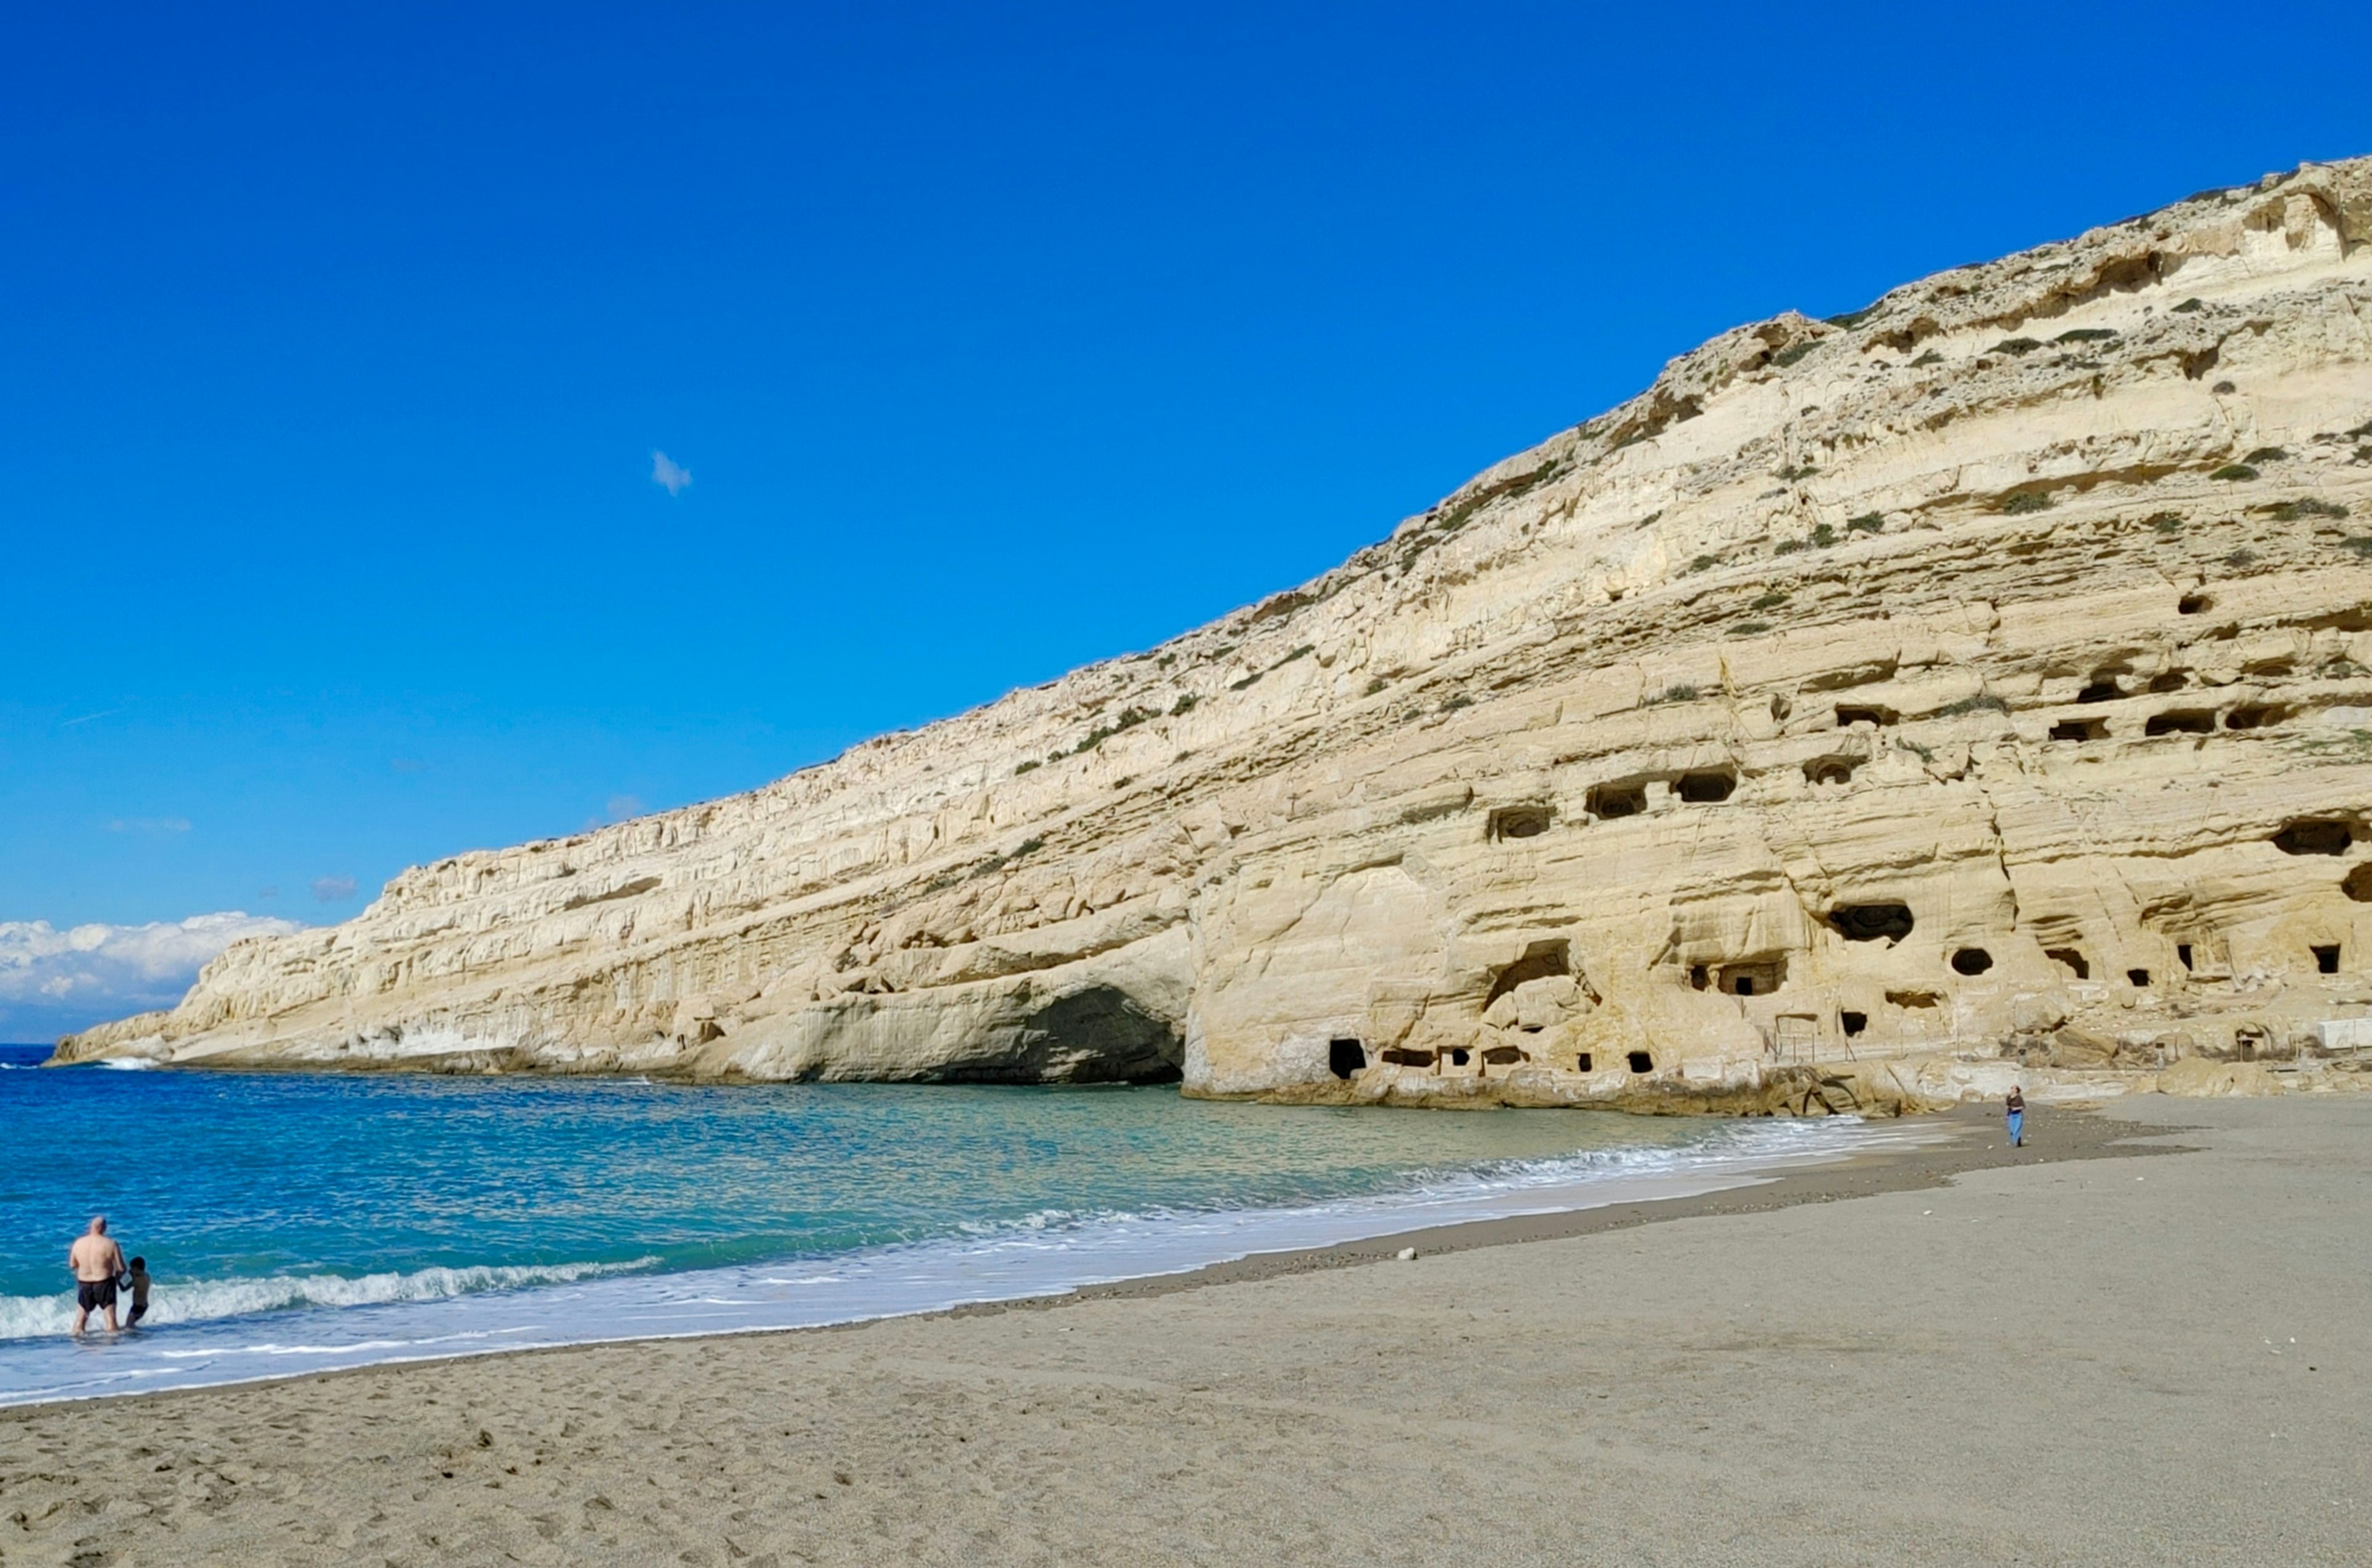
x: 1984, y: 678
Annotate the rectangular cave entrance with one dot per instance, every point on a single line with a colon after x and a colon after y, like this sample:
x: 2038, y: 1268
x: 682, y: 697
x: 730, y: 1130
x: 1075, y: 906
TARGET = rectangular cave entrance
x: 1757, y: 979
x: 1610, y: 801
x: 1706, y: 788
x: 1345, y: 1057
x: 2326, y: 957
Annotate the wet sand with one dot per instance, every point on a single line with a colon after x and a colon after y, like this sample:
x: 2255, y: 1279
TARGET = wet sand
x: 2140, y: 1339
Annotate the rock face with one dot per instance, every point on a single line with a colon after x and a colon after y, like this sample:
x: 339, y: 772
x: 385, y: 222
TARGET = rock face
x: 1870, y: 707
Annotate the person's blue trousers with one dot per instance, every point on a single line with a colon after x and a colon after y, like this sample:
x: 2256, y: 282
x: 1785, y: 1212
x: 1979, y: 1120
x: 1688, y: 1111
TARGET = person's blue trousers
x: 2017, y: 1127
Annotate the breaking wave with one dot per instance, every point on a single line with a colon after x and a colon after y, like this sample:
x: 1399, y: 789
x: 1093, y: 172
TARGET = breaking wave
x: 30, y: 1316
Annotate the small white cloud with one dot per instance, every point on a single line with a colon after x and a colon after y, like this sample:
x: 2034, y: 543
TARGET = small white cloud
x: 333, y: 889
x: 150, y: 825
x: 624, y: 806
x: 52, y: 982
x: 668, y: 474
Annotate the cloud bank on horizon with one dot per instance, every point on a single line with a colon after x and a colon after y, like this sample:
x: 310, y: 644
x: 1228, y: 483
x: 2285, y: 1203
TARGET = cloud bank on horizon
x: 52, y: 982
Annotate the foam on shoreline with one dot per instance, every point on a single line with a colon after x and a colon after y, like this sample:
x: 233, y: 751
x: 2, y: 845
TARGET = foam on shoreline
x: 357, y: 1323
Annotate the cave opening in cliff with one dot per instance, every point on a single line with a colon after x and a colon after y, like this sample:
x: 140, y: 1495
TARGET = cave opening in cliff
x: 2073, y: 958
x: 2252, y: 715
x: 1871, y: 923
x: 1345, y: 1057
x: 2103, y: 689
x: 1706, y: 789
x: 2138, y: 978
x: 1582, y: 1061
x: 1848, y: 717
x: 2172, y: 680
x: 1852, y: 1023
x: 1700, y: 976
x: 1519, y: 822
x: 1401, y: 1056
x: 2357, y: 884
x: 2180, y: 724
x: 1608, y: 802
x: 2182, y: 955
x: 1504, y: 1056
x: 1642, y: 1062
x: 2314, y: 838
x: 2326, y: 957
x: 2080, y: 730
x: 1099, y: 1034
x: 1830, y: 770
x: 1759, y: 978
x: 1973, y: 960
x: 1541, y: 960
x: 2193, y: 604
x: 1459, y: 1056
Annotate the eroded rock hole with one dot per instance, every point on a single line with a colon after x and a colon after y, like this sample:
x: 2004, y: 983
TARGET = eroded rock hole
x: 2076, y: 964
x: 2080, y: 730
x: 2326, y: 957
x: 1853, y: 1023
x: 1345, y: 1057
x: 1400, y: 1056
x: 2253, y: 718
x: 2101, y: 690
x: 1642, y: 1062
x: 1459, y: 1056
x: 1610, y: 801
x: 1097, y: 1035
x: 1973, y: 960
x: 1830, y: 770
x: 1521, y: 823
x: 1848, y: 717
x: 1705, y: 788
x: 2193, y: 604
x: 2138, y: 978
x: 1869, y: 922
x: 1583, y: 1063
x: 2180, y: 724
x: 2172, y: 680
x: 2182, y: 955
x: 1503, y: 1056
x: 2314, y: 838
x: 2358, y: 884
x: 1541, y: 960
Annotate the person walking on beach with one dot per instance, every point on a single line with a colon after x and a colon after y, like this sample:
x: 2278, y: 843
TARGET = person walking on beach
x: 2015, y: 1108
x: 137, y: 1278
x: 96, y: 1261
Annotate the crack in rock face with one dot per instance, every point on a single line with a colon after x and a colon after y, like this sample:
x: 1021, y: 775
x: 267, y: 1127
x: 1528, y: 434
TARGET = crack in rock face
x: 1974, y: 687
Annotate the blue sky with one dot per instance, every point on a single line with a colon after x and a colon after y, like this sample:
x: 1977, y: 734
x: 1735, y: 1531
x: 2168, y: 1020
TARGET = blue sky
x: 335, y: 350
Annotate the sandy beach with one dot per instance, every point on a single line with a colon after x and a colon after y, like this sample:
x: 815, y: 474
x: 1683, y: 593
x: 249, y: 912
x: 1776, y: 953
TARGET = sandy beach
x: 2138, y: 1341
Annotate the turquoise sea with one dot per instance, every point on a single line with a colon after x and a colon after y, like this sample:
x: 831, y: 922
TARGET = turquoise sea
x: 296, y: 1222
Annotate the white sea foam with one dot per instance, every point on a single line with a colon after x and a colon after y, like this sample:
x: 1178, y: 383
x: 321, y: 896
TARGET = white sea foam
x: 442, y: 1313
x: 29, y: 1317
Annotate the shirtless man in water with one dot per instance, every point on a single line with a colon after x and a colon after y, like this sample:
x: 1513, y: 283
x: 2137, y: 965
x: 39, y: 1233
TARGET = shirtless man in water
x: 96, y: 1261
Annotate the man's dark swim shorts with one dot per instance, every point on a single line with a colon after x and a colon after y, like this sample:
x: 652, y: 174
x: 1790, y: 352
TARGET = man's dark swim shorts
x: 94, y: 1295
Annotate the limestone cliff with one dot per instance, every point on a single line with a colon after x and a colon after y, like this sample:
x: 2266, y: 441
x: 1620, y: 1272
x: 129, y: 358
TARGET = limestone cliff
x: 1984, y: 676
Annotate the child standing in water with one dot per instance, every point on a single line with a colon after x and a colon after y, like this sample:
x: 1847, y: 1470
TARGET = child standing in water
x: 2015, y: 1107
x: 138, y: 1275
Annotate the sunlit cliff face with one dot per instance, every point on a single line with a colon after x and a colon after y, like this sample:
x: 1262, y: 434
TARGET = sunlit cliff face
x: 1983, y: 679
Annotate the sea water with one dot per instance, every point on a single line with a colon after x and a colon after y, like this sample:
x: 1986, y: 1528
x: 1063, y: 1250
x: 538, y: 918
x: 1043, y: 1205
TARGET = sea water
x: 303, y: 1222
